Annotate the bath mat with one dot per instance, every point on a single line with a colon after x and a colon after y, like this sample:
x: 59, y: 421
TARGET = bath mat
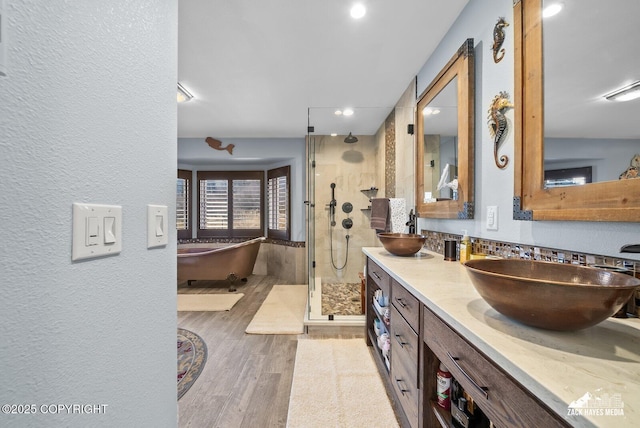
x: 336, y: 384
x: 282, y: 312
x: 208, y: 302
x: 192, y: 355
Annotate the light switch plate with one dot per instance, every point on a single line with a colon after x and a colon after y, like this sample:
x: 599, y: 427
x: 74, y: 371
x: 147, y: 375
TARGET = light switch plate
x: 492, y: 217
x: 157, y: 226
x: 90, y: 237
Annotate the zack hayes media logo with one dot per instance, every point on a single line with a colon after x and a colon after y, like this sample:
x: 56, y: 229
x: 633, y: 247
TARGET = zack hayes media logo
x: 604, y: 404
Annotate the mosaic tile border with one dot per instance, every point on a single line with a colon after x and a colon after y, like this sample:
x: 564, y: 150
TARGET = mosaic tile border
x: 509, y: 250
x: 294, y: 244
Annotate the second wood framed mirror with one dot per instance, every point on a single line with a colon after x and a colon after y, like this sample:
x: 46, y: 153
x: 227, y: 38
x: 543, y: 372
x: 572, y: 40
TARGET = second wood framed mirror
x: 567, y: 67
x: 445, y: 140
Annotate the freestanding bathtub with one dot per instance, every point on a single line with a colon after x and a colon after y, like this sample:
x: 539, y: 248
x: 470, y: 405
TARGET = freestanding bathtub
x: 230, y: 262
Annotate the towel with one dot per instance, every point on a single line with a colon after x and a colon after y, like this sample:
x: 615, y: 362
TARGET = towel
x: 380, y: 214
x: 398, y: 214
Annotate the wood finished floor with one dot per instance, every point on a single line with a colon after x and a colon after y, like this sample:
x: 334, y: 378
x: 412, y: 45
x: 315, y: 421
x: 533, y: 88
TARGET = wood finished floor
x: 246, y: 381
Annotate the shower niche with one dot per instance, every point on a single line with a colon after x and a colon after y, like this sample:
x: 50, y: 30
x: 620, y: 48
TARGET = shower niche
x: 370, y: 194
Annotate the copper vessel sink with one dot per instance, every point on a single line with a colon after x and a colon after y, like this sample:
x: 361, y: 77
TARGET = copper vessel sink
x: 550, y: 295
x: 402, y: 244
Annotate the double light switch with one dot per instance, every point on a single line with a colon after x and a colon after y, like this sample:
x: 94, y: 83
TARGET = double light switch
x: 97, y: 230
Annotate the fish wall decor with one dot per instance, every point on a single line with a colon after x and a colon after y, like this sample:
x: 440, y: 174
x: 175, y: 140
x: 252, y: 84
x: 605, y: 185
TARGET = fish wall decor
x: 498, y: 125
x: 498, y: 40
x: 217, y: 145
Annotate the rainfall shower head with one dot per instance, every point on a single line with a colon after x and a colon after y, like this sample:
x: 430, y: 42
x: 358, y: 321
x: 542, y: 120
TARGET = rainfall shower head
x: 350, y: 139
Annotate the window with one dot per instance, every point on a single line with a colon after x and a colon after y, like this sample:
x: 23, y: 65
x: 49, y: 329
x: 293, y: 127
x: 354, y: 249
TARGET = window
x: 183, y: 204
x: 230, y: 204
x: 567, y: 177
x: 278, y: 223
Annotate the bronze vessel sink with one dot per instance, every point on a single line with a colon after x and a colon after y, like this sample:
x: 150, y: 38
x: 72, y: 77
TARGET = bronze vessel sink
x: 550, y: 295
x: 402, y: 244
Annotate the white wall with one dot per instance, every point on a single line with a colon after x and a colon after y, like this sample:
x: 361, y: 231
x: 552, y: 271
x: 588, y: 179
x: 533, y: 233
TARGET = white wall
x: 252, y: 154
x: 87, y: 114
x: 608, y: 157
x: 495, y: 186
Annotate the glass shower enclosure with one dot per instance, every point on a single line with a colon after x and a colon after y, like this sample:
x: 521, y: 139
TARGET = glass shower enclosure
x: 341, y: 180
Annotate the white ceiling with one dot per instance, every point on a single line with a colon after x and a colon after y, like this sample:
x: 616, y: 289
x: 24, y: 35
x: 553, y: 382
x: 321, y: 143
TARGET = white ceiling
x: 256, y: 67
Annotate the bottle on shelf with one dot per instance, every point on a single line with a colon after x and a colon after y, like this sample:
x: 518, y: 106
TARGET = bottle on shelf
x: 460, y: 417
x: 443, y: 389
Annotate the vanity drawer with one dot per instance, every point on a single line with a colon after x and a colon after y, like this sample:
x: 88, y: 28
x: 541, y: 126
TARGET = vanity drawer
x: 404, y: 341
x: 504, y: 401
x: 404, y: 383
x: 379, y: 276
x: 406, y: 304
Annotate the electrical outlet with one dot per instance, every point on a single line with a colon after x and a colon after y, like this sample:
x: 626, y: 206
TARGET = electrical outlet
x: 492, y: 217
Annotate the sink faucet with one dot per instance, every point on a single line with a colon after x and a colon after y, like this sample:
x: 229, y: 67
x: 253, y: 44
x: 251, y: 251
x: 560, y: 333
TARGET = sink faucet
x: 634, y: 302
x: 412, y: 222
x: 630, y: 248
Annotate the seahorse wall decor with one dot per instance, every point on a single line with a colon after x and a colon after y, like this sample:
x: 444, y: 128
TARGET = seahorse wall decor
x: 217, y: 144
x: 498, y: 40
x: 498, y: 125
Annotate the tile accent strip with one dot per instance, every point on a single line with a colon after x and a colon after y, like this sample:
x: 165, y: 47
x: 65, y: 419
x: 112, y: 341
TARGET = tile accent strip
x: 509, y: 250
x: 295, y: 244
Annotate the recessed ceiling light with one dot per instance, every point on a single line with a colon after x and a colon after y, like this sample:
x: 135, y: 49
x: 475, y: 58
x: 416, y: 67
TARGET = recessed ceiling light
x: 358, y: 11
x: 347, y: 112
x: 337, y: 112
x: 429, y: 111
x: 183, y: 95
x: 627, y: 93
x: 551, y: 10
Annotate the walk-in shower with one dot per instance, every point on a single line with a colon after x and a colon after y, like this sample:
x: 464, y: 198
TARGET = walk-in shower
x: 338, y: 223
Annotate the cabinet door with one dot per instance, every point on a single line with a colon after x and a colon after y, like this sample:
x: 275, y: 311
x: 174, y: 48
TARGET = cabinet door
x: 404, y: 366
x: 406, y: 303
x: 379, y: 276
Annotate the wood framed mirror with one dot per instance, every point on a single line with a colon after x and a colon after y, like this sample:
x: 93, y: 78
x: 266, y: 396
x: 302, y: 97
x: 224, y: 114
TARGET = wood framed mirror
x: 445, y: 140
x: 564, y: 71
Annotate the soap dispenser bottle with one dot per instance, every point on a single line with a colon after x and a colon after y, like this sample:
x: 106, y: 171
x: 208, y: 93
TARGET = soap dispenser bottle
x: 465, y: 247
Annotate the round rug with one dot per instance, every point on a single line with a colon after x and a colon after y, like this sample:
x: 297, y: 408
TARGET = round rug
x: 192, y: 355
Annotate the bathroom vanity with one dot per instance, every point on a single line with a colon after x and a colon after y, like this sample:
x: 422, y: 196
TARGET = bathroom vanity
x: 519, y: 376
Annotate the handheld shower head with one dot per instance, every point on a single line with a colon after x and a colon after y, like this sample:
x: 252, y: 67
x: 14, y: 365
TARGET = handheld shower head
x: 332, y: 205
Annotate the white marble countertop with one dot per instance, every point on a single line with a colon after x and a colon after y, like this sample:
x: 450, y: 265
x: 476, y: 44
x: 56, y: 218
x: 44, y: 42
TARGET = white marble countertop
x: 558, y: 367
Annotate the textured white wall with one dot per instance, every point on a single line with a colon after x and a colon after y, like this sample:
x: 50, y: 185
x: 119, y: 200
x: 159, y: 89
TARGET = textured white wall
x: 87, y: 114
x: 495, y: 186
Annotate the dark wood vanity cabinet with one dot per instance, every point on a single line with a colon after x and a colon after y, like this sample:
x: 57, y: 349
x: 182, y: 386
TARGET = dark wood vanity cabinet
x: 420, y: 340
x: 405, y: 340
x: 502, y: 399
x: 400, y: 369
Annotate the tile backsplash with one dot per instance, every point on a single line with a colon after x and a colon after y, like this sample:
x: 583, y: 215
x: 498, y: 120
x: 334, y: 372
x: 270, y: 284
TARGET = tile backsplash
x: 435, y: 242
